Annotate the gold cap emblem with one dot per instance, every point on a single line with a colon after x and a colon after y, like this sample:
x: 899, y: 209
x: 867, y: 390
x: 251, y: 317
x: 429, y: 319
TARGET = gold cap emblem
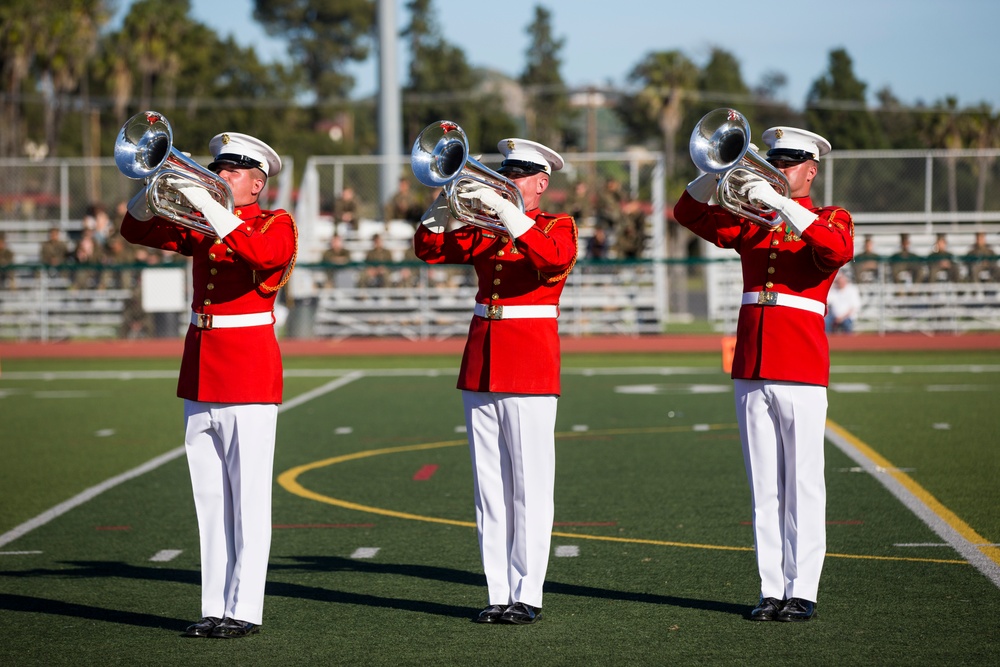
x: 225, y: 139
x: 510, y: 144
x: 779, y: 133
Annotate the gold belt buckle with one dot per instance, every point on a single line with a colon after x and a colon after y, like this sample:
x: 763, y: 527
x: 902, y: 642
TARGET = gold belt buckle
x: 767, y: 299
x: 494, y: 312
x: 204, y: 321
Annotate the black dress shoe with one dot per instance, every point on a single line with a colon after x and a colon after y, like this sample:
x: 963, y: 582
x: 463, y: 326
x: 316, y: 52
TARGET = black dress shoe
x: 202, y: 628
x: 797, y: 609
x: 491, y: 614
x: 767, y: 609
x: 230, y: 628
x: 521, y: 614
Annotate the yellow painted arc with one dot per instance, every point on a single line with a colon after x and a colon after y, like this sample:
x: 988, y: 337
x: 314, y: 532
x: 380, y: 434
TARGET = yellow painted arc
x: 289, y: 481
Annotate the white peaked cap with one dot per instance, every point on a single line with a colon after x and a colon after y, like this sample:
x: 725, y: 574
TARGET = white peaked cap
x: 793, y: 144
x: 519, y: 154
x: 244, y: 151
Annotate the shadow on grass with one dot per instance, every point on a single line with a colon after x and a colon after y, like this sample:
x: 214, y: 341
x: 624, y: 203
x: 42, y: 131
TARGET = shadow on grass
x: 108, y: 569
x: 37, y: 605
x: 453, y: 576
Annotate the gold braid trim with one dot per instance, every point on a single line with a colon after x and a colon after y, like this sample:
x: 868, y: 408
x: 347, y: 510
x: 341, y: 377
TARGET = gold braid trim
x: 295, y: 253
x: 576, y: 246
x: 830, y: 218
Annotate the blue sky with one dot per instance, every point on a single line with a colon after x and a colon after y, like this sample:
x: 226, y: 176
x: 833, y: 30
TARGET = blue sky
x: 923, y: 50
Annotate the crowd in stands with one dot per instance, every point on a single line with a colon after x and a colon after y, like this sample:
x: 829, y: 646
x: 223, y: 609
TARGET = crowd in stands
x: 612, y: 225
x: 978, y: 264
x: 96, y: 257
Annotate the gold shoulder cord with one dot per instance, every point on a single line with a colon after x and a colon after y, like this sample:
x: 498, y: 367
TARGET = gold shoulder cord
x: 291, y: 265
x: 576, y: 235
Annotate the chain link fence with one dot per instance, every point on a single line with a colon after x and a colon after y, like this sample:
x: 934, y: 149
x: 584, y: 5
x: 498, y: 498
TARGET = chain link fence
x: 620, y: 285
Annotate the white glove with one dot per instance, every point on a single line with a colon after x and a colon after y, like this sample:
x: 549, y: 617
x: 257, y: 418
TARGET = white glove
x: 760, y: 191
x: 703, y: 188
x: 139, y: 207
x: 513, y: 219
x: 221, y: 220
x: 794, y: 213
x: 436, y: 217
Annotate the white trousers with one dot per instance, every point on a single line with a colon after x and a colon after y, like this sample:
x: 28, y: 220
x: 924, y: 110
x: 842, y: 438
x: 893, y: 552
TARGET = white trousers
x: 230, y: 454
x: 512, y: 443
x: 782, y: 427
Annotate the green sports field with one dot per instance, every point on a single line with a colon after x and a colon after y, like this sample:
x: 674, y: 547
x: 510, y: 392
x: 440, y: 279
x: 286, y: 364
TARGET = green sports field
x: 374, y: 558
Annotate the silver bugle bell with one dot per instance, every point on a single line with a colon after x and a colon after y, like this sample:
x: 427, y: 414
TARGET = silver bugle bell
x: 144, y: 150
x: 720, y: 144
x: 440, y: 159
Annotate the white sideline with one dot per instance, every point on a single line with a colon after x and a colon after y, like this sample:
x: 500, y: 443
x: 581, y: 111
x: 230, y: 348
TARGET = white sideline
x: 964, y: 547
x: 153, y: 464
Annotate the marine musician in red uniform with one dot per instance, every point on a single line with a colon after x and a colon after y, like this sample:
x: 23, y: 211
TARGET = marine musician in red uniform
x: 231, y: 373
x: 781, y: 366
x: 509, y: 374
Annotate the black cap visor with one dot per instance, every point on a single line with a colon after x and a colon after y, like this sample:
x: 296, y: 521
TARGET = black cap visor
x: 241, y: 161
x: 789, y: 155
x: 520, y: 168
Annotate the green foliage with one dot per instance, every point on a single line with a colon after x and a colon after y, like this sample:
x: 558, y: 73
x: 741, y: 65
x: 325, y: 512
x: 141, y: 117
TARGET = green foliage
x: 69, y: 84
x: 829, y: 111
x: 550, y: 115
x: 443, y: 85
x: 323, y: 36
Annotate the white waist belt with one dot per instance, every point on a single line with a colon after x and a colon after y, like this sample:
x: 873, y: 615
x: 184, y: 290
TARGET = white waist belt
x: 515, y: 312
x: 205, y: 321
x: 789, y: 300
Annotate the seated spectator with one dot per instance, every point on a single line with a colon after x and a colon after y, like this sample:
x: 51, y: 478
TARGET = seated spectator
x: 6, y: 259
x: 96, y: 219
x: 54, y: 250
x: 905, y: 265
x: 981, y: 261
x: 409, y: 274
x: 941, y: 264
x: 404, y: 205
x: 337, y: 255
x: 345, y: 209
x: 118, y: 253
x: 597, y: 245
x: 630, y: 235
x: 376, y: 273
x: 866, y: 263
x: 610, y: 204
x: 87, y: 253
x: 843, y: 304
x: 580, y: 204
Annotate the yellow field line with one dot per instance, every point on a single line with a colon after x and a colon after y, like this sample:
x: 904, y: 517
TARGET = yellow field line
x: 920, y: 493
x: 289, y: 481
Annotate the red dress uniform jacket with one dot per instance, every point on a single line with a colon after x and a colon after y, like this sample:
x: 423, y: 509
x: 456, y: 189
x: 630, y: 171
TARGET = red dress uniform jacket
x: 231, y: 277
x: 518, y: 356
x: 779, y: 342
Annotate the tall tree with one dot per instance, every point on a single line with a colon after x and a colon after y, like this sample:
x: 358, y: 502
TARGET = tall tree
x: 442, y: 85
x: 548, y: 110
x: 666, y: 80
x: 836, y: 107
x: 44, y: 47
x: 323, y: 36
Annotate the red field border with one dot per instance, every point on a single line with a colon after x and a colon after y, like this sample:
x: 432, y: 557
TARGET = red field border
x: 171, y: 347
